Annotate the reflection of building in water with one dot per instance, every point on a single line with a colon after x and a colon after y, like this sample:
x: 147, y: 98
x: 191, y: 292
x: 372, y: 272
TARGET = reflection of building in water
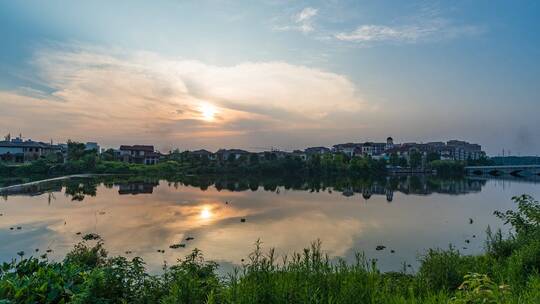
x: 137, y: 188
x: 366, y: 193
x: 33, y: 189
x: 389, y: 195
x: 416, y: 185
x: 461, y: 186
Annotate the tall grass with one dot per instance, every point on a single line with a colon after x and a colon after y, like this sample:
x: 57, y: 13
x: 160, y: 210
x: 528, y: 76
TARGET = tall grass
x: 508, y: 272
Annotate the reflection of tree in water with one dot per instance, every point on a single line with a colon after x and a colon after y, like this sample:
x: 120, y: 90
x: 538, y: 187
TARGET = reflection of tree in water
x: 77, y: 189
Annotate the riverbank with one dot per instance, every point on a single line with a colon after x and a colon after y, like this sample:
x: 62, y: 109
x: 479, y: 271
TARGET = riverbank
x: 18, y: 187
x: 506, y: 273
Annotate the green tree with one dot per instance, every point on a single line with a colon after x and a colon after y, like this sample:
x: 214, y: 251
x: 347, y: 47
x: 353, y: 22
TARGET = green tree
x: 108, y: 155
x: 394, y: 159
x: 75, y: 150
x: 415, y: 159
x: 432, y: 156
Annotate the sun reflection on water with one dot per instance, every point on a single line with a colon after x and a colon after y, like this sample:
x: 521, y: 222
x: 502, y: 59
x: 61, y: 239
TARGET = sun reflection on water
x: 206, y: 213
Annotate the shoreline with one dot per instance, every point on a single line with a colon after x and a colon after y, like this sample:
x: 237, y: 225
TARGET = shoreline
x: 18, y: 187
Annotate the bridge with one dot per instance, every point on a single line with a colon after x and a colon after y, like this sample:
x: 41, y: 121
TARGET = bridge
x: 514, y: 170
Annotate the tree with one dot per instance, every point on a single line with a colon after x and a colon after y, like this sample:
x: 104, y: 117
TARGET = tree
x: 394, y: 159
x: 415, y: 159
x: 432, y: 156
x: 108, y: 155
x: 253, y: 158
x: 75, y: 150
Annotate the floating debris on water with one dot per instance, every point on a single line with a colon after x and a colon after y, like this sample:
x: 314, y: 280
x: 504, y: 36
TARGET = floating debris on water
x: 471, y: 221
x: 78, y: 233
x: 161, y: 251
x: 189, y: 238
x: 20, y: 253
x: 380, y: 247
x: 128, y: 252
x: 467, y: 241
x: 37, y: 249
x: 11, y: 228
x: 176, y: 246
x: 91, y: 237
x: 19, y: 228
x: 392, y: 251
x: 43, y: 256
x: 243, y: 220
x: 474, y: 235
x: 49, y: 250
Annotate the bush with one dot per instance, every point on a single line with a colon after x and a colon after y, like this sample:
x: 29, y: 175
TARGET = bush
x: 442, y: 269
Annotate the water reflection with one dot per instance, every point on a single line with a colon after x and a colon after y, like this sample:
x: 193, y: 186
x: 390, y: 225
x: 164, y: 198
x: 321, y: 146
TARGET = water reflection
x: 79, y: 188
x: 143, y: 215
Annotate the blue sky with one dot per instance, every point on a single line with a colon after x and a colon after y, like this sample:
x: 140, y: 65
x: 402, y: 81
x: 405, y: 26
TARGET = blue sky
x: 287, y: 74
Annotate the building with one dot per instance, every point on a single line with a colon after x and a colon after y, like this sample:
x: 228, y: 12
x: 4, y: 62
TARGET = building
x: 451, y: 150
x: 202, y: 153
x: 92, y: 146
x: 349, y: 149
x: 139, y: 154
x: 226, y: 154
x: 373, y: 149
x: 316, y: 150
x: 19, y: 150
x: 300, y: 154
x: 462, y: 150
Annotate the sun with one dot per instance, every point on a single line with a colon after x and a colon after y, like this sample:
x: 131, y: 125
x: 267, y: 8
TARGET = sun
x: 208, y: 111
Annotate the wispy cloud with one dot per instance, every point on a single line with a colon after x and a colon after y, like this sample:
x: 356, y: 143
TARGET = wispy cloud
x: 302, y: 21
x: 432, y: 29
x: 145, y: 97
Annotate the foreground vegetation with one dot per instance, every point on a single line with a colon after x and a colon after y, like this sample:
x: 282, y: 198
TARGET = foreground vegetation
x: 508, y: 272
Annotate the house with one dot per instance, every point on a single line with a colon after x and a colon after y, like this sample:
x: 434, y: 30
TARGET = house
x: 226, y: 154
x: 92, y: 146
x: 137, y: 188
x: 316, y: 150
x: 202, y: 153
x: 373, y: 149
x: 19, y: 150
x: 139, y: 154
x: 348, y: 148
x: 299, y: 154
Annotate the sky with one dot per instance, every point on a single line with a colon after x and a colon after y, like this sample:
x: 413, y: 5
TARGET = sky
x: 271, y: 73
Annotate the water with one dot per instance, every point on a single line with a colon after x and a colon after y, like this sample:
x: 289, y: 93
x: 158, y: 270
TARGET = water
x: 406, y: 215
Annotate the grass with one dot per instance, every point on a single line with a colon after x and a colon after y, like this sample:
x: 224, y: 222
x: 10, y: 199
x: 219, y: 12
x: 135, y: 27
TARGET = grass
x: 508, y: 272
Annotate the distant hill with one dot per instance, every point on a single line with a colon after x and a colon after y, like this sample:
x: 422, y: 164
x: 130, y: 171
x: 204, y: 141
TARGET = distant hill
x: 516, y: 160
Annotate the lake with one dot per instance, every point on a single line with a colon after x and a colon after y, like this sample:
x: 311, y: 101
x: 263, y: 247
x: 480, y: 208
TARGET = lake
x: 225, y: 217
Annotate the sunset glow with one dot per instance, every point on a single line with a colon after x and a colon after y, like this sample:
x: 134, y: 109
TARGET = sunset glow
x: 208, y: 112
x: 206, y: 213
x: 278, y: 74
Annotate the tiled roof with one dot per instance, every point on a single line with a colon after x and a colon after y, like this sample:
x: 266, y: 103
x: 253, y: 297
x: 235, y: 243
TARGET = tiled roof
x: 138, y: 148
x: 24, y: 144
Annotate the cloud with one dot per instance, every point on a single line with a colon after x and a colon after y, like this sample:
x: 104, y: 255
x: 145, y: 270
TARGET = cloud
x: 141, y: 97
x: 303, y: 21
x: 437, y: 29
